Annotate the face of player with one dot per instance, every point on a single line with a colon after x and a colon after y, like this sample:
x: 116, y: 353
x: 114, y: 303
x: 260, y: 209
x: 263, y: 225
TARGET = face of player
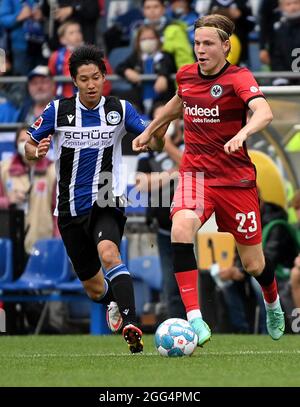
x: 210, y: 51
x: 89, y: 81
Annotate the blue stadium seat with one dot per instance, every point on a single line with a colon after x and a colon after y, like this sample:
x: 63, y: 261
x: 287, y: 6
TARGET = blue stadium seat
x: 117, y: 56
x: 147, y: 269
x: 71, y: 286
x: 47, y: 266
x: 147, y: 276
x: 6, y: 269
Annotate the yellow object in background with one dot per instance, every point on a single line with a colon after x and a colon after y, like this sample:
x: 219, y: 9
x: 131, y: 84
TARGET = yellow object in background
x: 269, y: 180
x: 223, y: 246
x: 294, y: 144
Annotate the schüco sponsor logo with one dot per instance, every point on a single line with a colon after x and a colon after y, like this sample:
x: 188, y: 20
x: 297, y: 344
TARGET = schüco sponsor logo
x: 202, y: 115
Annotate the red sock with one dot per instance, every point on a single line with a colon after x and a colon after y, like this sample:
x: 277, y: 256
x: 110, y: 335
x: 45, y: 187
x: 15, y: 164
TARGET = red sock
x: 270, y: 292
x: 188, y: 287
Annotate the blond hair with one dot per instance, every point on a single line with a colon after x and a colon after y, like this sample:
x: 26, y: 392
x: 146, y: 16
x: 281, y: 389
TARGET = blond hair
x: 223, y: 25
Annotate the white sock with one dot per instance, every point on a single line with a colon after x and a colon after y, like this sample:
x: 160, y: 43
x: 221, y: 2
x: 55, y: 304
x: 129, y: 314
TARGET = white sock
x: 272, y: 305
x: 195, y: 313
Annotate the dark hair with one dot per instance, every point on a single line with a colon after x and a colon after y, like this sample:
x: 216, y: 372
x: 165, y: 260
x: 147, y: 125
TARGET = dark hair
x: 224, y: 25
x: 85, y: 55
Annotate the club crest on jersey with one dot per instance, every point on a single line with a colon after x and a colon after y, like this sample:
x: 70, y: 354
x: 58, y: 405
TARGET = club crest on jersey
x: 216, y: 91
x: 37, y: 124
x: 113, y: 117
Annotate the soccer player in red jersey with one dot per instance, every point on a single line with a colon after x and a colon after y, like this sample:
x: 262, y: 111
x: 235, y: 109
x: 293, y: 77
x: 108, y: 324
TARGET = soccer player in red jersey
x: 214, y: 97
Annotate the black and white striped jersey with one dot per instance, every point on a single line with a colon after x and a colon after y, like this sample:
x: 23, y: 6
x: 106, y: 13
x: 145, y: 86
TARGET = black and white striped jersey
x: 87, y: 148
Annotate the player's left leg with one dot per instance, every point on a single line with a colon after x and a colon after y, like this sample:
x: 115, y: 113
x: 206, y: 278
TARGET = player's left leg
x: 295, y: 283
x: 237, y: 212
x: 107, y: 233
x: 253, y: 261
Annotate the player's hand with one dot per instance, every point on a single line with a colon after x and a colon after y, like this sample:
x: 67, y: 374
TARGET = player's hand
x: 43, y: 147
x: 235, y: 143
x: 141, y: 143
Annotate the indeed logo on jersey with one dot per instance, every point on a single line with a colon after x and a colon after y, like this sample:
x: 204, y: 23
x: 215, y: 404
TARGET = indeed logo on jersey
x: 202, y: 115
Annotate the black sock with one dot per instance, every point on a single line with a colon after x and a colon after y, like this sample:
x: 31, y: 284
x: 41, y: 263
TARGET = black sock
x: 122, y: 288
x: 266, y: 278
x: 108, y: 296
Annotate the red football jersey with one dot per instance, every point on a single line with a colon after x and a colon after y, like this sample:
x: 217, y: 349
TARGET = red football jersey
x: 214, y: 110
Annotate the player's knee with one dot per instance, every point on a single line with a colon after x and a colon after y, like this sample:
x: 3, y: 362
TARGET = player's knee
x: 295, y: 276
x: 180, y: 233
x: 109, y: 255
x: 254, y: 267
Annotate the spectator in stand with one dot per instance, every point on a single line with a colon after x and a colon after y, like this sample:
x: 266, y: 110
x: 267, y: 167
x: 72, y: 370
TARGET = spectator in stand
x: 30, y: 186
x: 148, y: 58
x: 11, y: 95
x: 22, y: 20
x: 269, y: 13
x: 70, y: 37
x: 183, y: 10
x: 285, y: 40
x: 241, y: 14
x: 86, y: 12
x: 119, y: 34
x: 173, y: 34
x: 41, y: 90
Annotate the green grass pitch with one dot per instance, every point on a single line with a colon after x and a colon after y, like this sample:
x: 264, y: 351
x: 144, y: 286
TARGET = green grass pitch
x: 104, y: 361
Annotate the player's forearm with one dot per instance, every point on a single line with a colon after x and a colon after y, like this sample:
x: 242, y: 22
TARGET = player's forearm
x: 31, y: 151
x: 157, y: 143
x: 260, y: 119
x: 171, y: 111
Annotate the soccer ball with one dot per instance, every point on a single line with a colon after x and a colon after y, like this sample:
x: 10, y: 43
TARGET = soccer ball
x: 175, y: 337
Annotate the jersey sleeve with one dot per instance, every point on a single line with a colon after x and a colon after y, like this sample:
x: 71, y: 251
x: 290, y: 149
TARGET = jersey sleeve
x: 44, y: 125
x: 246, y: 86
x: 133, y: 121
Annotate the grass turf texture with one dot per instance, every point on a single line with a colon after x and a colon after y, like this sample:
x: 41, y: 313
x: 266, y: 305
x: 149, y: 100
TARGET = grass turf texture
x: 104, y: 361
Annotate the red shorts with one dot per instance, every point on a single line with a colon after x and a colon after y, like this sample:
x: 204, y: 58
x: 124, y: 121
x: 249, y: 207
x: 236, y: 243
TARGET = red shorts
x: 236, y: 209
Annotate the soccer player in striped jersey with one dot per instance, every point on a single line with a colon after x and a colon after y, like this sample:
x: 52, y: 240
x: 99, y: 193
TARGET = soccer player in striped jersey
x: 87, y: 131
x: 214, y: 97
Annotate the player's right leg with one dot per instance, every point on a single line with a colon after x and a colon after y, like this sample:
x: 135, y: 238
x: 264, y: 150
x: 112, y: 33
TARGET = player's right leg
x: 185, y: 224
x: 84, y: 257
